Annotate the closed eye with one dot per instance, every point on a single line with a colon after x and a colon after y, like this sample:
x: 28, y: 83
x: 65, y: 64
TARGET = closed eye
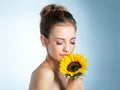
x: 72, y: 43
x: 59, y: 43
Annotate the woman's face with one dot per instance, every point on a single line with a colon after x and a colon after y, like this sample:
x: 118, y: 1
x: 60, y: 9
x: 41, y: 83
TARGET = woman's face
x: 61, y: 41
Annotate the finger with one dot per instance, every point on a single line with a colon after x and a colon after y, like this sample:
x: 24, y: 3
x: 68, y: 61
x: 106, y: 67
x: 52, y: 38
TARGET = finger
x: 80, y: 78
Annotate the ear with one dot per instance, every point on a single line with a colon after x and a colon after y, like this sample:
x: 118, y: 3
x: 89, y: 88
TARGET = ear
x: 43, y: 40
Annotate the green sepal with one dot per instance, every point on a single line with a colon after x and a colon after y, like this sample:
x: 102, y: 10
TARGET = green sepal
x: 76, y: 75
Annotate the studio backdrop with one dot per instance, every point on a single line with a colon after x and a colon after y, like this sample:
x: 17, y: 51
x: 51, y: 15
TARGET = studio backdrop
x: 98, y: 38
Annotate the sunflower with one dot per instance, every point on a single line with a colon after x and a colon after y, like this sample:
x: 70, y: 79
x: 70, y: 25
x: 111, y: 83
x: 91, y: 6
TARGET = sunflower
x: 73, y: 65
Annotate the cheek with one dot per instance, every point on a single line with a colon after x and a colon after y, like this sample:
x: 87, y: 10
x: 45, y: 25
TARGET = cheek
x: 72, y: 49
x: 54, y: 52
x: 53, y: 49
x: 50, y: 49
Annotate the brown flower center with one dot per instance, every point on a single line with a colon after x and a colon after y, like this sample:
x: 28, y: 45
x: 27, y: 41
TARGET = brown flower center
x: 73, y: 66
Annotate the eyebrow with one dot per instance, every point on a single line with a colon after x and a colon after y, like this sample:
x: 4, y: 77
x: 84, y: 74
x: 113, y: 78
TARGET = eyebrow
x: 64, y: 39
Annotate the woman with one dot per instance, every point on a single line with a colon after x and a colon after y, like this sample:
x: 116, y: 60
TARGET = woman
x: 58, y: 34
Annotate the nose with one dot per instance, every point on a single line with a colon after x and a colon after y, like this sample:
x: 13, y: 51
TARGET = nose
x: 66, y: 48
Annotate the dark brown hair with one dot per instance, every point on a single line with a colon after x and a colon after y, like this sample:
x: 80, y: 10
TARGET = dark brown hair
x: 52, y: 15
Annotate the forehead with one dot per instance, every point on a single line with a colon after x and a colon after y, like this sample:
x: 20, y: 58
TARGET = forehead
x: 63, y: 31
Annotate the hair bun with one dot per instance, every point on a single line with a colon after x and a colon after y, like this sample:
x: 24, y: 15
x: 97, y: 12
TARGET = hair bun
x: 51, y: 8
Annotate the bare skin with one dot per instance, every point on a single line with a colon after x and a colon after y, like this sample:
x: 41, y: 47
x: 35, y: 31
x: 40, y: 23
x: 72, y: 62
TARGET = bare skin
x: 44, y: 78
x: 47, y: 75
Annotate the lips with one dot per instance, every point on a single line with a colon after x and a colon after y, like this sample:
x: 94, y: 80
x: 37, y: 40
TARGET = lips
x: 63, y: 55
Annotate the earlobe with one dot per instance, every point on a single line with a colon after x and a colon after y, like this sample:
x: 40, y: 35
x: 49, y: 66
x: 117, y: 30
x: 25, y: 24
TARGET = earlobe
x: 43, y: 40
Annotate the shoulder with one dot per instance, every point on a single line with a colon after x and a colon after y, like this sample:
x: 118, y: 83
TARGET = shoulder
x: 43, y: 72
x: 41, y: 77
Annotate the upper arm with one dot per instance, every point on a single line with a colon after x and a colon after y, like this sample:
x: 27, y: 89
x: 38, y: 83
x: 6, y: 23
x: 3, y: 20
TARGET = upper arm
x: 42, y: 80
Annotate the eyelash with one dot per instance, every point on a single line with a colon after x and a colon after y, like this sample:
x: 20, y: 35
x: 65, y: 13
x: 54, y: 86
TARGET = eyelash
x: 72, y: 43
x: 58, y: 43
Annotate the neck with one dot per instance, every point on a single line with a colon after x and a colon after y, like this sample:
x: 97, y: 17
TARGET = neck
x: 54, y: 65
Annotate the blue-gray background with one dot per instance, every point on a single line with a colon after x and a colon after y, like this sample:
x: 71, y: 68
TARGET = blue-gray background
x: 98, y: 38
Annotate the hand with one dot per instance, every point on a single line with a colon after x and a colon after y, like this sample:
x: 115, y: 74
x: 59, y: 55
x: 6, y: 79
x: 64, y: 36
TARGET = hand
x: 75, y: 84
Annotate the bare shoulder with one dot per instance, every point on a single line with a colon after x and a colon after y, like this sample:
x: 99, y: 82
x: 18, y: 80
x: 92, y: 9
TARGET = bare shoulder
x: 43, y: 72
x: 42, y: 79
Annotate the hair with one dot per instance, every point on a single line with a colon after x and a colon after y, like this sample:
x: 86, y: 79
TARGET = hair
x: 52, y: 15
